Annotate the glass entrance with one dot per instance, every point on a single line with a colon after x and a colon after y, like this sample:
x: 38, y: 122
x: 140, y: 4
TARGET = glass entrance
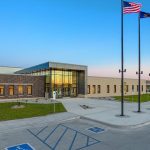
x: 66, y: 92
x: 73, y: 92
x: 64, y: 82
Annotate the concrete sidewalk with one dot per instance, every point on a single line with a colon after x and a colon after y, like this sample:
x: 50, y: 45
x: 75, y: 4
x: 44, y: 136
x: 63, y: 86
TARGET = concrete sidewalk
x: 107, y: 112
x: 20, y: 124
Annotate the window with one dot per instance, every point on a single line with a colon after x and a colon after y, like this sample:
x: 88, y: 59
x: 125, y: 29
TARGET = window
x: 20, y: 89
x: 88, y: 89
x: 115, y: 88
x: 94, y: 89
x: 132, y: 88
x: 98, y: 89
x: 127, y: 88
x: 108, y: 89
x: 1, y: 90
x: 11, y: 90
x: 29, y: 89
x: 142, y: 88
x: 137, y: 88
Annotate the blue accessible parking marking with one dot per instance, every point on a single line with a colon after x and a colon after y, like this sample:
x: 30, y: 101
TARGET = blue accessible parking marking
x: 96, y: 130
x: 20, y: 147
x: 56, y: 138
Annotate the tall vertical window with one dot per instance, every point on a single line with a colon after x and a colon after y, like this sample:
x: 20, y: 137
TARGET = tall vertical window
x: 108, y: 89
x: 20, y: 89
x: 94, y: 89
x: 1, y: 90
x: 11, y: 90
x: 132, y: 88
x: 98, y: 89
x: 127, y: 88
x: 29, y: 89
x: 88, y: 89
x: 137, y: 88
x: 115, y: 88
x: 142, y: 88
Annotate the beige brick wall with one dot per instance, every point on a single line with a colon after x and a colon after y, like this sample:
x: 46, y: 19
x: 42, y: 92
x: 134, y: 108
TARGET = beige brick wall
x: 104, y: 81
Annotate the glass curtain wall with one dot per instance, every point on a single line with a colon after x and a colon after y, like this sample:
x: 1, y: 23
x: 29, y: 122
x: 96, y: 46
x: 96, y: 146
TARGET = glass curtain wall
x: 64, y: 82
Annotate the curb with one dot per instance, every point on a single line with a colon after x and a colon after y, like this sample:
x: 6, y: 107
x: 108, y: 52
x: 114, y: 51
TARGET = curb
x: 117, y: 126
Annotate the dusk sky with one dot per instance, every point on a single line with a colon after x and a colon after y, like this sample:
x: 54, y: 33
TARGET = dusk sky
x: 73, y: 31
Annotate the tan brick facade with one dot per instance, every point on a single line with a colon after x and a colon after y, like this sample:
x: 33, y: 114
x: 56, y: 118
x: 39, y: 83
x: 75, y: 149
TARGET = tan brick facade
x: 105, y: 86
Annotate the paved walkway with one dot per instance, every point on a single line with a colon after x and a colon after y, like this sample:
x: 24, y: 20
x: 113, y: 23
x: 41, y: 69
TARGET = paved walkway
x: 7, y: 126
x: 108, y: 112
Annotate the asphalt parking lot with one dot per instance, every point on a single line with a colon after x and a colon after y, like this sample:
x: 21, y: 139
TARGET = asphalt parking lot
x: 75, y: 134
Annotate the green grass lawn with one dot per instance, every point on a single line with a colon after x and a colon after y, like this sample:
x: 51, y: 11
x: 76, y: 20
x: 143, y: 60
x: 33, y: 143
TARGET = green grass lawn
x: 30, y: 110
x: 144, y: 98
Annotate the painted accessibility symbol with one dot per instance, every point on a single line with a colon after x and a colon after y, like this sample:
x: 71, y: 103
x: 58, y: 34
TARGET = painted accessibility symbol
x: 96, y: 129
x: 20, y: 147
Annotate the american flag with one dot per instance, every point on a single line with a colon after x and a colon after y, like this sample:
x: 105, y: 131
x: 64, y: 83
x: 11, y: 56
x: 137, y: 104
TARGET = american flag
x: 130, y: 7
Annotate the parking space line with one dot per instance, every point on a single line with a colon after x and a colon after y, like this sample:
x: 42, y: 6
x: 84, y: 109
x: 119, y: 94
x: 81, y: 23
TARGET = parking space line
x: 77, y: 131
x: 89, y: 140
x: 60, y: 138
x: 73, y: 140
x: 41, y: 130
x: 40, y: 139
x: 51, y: 133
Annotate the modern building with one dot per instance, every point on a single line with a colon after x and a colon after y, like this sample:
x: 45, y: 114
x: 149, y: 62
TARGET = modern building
x: 21, y: 86
x: 68, y: 80
x: 107, y: 87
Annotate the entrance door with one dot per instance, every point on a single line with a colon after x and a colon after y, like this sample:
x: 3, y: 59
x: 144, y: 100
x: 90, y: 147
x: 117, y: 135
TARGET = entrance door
x: 73, y: 92
x: 59, y: 92
x: 66, y: 91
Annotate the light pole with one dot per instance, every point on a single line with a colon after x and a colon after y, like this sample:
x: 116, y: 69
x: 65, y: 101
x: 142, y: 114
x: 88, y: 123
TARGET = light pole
x: 139, y: 88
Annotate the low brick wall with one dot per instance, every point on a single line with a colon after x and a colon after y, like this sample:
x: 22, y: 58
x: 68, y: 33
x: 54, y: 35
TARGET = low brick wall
x: 37, y: 82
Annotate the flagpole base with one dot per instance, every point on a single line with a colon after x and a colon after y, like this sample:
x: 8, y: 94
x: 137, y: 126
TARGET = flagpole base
x: 122, y: 116
x: 138, y: 112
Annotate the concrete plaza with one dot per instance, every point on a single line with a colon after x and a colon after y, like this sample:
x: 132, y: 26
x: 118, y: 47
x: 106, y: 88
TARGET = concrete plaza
x: 107, y: 111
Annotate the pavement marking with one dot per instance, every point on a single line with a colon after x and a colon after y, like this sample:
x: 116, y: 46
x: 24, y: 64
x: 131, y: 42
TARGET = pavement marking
x: 73, y: 140
x: 41, y: 130
x: 57, y: 138
x: 96, y: 130
x: 26, y: 146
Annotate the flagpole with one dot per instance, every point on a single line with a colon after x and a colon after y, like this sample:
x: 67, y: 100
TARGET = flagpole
x: 139, y: 72
x: 122, y: 62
